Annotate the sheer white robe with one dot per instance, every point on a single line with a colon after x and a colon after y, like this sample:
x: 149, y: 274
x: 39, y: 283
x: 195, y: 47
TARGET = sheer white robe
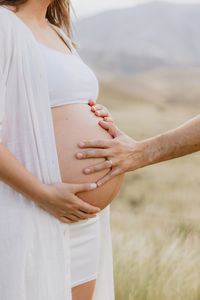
x: 34, y: 249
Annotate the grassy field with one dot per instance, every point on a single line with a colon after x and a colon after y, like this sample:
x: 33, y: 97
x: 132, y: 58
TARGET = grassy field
x: 156, y: 216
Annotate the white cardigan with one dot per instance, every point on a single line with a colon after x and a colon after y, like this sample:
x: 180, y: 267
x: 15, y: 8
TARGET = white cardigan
x: 34, y: 252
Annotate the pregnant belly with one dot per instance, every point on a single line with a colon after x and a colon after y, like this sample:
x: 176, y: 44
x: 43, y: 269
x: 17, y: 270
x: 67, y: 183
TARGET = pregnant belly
x: 73, y: 123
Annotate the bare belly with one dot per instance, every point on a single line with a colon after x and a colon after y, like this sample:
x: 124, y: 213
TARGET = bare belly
x: 73, y: 123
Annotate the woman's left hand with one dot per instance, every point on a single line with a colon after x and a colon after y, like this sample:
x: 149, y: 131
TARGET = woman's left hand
x: 100, y: 111
x: 122, y: 153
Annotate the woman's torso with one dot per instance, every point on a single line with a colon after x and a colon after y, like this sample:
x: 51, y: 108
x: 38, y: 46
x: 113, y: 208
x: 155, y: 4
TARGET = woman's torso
x: 71, y: 84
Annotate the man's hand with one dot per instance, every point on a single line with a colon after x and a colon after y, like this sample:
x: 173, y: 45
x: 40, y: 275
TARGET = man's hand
x: 124, y: 153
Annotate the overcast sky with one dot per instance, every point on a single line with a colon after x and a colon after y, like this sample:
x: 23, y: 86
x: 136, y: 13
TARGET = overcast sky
x: 88, y: 7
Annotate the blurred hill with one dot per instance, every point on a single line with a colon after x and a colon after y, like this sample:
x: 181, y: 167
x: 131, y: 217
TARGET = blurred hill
x: 150, y: 51
x: 140, y: 38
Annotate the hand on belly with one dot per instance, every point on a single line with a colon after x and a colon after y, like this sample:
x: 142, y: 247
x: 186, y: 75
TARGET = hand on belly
x: 72, y: 123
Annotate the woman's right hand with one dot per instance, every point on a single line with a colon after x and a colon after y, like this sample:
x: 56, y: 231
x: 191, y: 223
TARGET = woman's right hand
x: 61, y: 202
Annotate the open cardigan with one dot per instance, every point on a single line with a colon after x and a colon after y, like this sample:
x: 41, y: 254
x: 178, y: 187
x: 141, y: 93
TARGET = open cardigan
x: 34, y: 248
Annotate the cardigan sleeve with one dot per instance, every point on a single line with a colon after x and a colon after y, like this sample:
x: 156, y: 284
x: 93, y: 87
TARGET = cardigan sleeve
x: 2, y: 81
x: 2, y: 101
x: 6, y: 45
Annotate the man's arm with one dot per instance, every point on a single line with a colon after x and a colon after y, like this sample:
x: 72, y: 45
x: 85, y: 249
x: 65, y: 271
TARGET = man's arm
x: 127, y: 154
x: 174, y: 143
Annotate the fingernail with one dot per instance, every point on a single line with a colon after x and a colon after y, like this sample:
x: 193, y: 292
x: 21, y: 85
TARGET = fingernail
x: 79, y: 155
x: 81, y: 144
x: 93, y: 185
x: 87, y: 170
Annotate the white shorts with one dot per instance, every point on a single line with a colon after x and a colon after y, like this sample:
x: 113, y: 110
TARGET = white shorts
x: 84, y: 250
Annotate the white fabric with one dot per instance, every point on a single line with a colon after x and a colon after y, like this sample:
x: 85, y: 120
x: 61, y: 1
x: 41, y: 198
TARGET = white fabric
x: 34, y: 251
x: 85, y: 250
x: 70, y: 80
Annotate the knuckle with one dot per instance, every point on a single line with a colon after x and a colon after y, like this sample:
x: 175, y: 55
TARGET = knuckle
x: 83, y: 216
x: 79, y: 215
x: 88, y: 210
x: 103, y: 181
x: 69, y: 211
x: 116, y: 151
x: 85, y: 154
x: 92, y: 153
x: 74, y: 218
x: 98, y: 142
x: 107, y: 164
x: 80, y: 206
x: 96, y: 168
x: 121, y: 149
x: 116, y: 142
x: 76, y: 205
x: 123, y: 169
x: 97, y: 152
x: 70, y: 206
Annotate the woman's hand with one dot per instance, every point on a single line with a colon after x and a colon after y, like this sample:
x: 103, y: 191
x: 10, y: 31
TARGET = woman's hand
x: 61, y: 202
x: 125, y: 153
x: 100, y: 111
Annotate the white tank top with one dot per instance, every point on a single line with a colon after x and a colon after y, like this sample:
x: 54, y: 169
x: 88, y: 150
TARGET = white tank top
x: 70, y: 80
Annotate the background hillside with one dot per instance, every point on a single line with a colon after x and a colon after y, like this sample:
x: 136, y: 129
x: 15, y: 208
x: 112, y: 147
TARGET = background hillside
x: 151, y: 50
x: 142, y: 37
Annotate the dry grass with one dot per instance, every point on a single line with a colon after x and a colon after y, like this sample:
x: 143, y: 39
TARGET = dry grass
x: 156, y: 216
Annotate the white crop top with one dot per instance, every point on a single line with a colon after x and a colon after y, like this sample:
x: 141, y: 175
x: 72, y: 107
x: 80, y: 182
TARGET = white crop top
x: 70, y: 80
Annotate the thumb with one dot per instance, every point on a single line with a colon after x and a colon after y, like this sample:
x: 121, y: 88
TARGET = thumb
x: 82, y: 187
x: 111, y: 128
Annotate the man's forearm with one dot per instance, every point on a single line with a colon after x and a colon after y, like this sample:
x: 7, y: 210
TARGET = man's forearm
x: 178, y: 142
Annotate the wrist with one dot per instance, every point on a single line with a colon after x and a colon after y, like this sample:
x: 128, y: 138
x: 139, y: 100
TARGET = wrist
x: 45, y: 194
x: 150, y: 149
x: 141, y: 154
